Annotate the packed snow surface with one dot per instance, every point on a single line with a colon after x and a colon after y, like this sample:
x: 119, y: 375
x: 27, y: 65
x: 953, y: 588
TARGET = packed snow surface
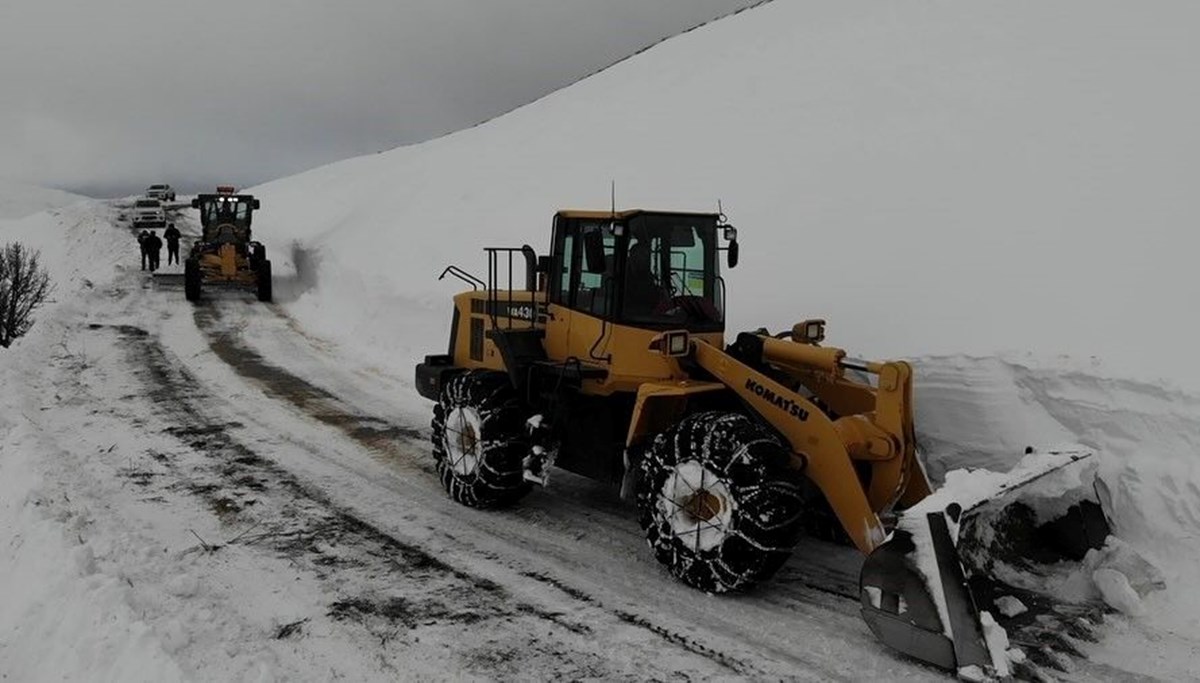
x: 1003, y: 193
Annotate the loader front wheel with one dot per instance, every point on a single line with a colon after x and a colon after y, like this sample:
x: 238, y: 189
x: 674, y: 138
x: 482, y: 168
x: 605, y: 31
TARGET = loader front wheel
x: 718, y: 501
x: 480, y: 440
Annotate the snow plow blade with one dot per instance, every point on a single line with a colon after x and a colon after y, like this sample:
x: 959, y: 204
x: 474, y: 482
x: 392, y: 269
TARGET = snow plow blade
x: 927, y: 590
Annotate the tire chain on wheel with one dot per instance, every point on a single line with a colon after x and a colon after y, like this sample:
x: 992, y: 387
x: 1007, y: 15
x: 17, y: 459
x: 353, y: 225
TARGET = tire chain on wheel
x: 499, y: 479
x: 754, y: 467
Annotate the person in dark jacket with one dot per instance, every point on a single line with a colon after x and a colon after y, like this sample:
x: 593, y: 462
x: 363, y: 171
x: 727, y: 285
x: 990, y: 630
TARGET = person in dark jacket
x: 154, y: 249
x: 142, y: 246
x: 171, y: 234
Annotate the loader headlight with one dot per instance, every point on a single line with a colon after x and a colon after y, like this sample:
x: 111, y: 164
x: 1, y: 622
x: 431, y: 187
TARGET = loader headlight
x: 672, y: 343
x: 809, y: 332
x: 677, y: 343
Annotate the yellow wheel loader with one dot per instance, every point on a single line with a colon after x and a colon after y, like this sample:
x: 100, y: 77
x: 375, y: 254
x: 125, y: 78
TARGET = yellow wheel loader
x: 608, y: 358
x: 225, y: 255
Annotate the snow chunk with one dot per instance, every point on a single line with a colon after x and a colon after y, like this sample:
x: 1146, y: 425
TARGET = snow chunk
x: 1116, y: 554
x: 1010, y: 606
x: 1115, y: 589
x: 183, y: 586
x: 996, y: 639
x: 84, y: 560
x: 972, y: 673
x: 174, y: 636
x: 875, y: 594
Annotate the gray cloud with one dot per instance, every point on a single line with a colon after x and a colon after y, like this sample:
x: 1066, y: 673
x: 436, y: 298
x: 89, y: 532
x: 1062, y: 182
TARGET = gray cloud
x: 106, y: 97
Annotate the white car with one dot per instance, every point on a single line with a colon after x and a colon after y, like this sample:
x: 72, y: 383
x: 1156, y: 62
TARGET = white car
x: 161, y: 192
x: 148, y: 214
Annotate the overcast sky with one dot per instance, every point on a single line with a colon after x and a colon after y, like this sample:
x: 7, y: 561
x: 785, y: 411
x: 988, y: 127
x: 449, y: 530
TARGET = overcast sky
x: 107, y: 96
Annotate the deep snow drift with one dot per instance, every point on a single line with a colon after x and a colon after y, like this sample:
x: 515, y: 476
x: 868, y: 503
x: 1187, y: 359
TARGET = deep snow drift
x: 18, y: 200
x: 961, y: 180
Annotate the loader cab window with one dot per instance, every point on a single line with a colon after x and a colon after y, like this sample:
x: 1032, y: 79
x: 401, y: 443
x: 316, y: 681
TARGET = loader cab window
x: 659, y: 271
x: 596, y: 293
x: 671, y: 276
x: 576, y: 286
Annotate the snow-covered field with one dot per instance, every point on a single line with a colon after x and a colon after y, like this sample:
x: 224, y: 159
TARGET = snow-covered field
x: 1002, y: 193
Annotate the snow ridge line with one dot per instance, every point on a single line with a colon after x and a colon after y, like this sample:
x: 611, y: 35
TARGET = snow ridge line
x: 594, y: 72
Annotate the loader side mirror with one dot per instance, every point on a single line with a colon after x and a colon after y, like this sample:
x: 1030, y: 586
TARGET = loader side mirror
x: 593, y: 252
x: 731, y: 254
x: 196, y: 203
x: 257, y: 204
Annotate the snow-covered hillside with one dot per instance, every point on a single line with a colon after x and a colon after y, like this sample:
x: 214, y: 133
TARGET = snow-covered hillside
x: 18, y: 200
x: 965, y: 179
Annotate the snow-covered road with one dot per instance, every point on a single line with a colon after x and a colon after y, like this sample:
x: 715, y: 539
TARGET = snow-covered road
x: 231, y: 498
x: 259, y: 506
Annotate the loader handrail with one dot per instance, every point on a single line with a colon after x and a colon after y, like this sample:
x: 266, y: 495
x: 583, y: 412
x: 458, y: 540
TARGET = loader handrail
x: 476, y: 283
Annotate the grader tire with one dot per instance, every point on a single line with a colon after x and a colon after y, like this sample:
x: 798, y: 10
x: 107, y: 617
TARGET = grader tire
x: 191, y: 279
x: 480, y: 440
x: 263, y: 281
x: 719, y: 504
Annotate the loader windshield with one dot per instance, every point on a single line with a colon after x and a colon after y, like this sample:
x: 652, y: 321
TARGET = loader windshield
x: 671, y: 275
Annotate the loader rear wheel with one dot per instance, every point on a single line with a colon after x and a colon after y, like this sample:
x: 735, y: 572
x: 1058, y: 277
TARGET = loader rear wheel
x: 191, y: 279
x: 480, y: 440
x: 719, y: 503
x: 263, y: 281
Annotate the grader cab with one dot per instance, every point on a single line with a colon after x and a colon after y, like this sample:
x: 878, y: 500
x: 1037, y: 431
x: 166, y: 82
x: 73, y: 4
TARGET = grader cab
x: 609, y: 359
x: 226, y: 255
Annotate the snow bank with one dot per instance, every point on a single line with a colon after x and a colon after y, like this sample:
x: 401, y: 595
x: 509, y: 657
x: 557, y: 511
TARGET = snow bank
x: 966, y: 180
x: 61, y: 618
x: 18, y: 200
x: 982, y: 412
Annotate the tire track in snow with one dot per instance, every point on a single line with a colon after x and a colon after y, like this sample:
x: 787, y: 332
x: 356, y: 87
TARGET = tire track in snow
x: 336, y: 543
x: 378, y: 435
x: 175, y: 391
x: 819, y: 571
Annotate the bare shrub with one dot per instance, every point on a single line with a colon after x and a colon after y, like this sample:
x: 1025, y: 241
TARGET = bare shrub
x: 24, y: 285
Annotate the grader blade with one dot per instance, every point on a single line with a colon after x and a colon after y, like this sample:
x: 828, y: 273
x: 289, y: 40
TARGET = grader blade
x: 928, y: 590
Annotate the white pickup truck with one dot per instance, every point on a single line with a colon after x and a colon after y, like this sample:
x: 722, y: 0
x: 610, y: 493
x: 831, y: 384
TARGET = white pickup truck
x: 164, y: 193
x: 148, y: 213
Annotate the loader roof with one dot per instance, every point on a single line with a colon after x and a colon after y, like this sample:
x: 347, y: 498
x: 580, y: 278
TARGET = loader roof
x: 588, y: 214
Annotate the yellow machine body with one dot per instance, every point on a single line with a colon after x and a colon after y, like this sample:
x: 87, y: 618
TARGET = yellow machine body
x: 621, y: 382
x: 861, y: 453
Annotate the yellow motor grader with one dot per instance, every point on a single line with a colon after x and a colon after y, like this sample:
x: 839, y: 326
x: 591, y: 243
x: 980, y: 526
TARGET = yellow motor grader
x: 225, y: 255
x: 608, y: 358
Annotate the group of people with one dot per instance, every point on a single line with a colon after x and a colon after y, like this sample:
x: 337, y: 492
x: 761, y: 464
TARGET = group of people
x: 151, y: 246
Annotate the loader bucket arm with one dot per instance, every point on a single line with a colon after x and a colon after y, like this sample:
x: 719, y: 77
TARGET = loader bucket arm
x: 914, y: 592
x: 825, y: 447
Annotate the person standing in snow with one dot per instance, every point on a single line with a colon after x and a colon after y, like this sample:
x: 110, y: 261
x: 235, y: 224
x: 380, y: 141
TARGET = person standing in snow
x: 172, y: 236
x: 142, y: 246
x: 153, y: 250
